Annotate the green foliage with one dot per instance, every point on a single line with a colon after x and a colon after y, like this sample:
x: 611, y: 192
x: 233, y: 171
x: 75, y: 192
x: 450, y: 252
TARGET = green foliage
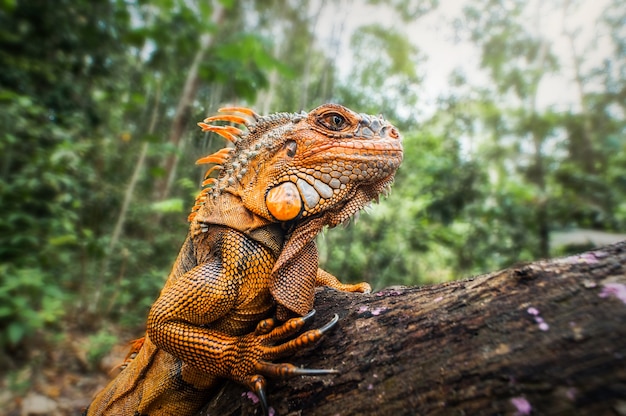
x: 168, y: 205
x: 99, y: 344
x: 28, y: 303
x: 241, y: 63
x: 49, y: 146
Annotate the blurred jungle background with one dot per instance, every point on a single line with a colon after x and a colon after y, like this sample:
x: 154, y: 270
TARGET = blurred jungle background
x: 512, y: 112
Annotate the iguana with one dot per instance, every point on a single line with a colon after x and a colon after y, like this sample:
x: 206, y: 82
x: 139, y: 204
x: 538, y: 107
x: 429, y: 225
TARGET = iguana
x: 245, y: 276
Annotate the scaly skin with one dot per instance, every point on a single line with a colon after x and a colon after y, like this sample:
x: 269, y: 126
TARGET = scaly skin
x: 245, y: 277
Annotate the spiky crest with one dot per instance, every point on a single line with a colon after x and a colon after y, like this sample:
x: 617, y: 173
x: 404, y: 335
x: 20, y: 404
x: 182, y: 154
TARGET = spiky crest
x: 231, y: 162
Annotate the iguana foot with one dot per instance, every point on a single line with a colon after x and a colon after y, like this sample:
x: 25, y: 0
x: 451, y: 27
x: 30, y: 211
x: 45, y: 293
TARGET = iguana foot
x: 268, y: 333
x: 323, y: 278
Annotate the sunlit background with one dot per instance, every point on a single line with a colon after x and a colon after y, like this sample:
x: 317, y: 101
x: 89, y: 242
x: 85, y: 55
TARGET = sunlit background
x: 512, y: 113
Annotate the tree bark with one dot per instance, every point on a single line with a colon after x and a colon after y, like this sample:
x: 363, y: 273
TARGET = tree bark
x: 544, y: 338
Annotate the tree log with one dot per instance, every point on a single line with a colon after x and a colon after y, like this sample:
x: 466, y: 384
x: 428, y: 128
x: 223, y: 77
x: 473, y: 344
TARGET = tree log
x: 545, y: 338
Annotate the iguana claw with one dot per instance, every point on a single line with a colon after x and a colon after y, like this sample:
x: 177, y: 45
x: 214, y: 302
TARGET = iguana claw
x: 290, y: 370
x: 289, y: 328
x: 257, y: 385
x: 330, y: 324
x: 267, y: 332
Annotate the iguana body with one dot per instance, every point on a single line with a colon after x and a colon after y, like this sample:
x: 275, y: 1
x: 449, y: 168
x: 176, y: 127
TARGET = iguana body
x: 250, y: 256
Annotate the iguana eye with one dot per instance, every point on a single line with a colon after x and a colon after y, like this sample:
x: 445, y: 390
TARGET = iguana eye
x: 333, y: 121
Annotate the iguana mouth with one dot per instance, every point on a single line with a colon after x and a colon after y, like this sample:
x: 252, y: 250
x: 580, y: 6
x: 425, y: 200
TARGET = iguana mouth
x: 357, y: 148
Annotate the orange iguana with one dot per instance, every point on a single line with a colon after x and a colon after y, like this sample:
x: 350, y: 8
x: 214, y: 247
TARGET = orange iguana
x: 245, y: 277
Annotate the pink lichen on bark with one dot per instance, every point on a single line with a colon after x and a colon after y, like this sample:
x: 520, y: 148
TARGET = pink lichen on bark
x: 532, y: 311
x: 617, y: 290
x: 374, y: 312
x: 254, y: 399
x: 590, y: 257
x: 251, y: 396
x: 389, y: 292
x: 543, y: 325
x: 522, y: 406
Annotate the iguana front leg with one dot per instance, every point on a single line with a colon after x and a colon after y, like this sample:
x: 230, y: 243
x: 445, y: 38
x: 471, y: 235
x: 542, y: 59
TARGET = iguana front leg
x: 183, y: 332
x: 203, y: 317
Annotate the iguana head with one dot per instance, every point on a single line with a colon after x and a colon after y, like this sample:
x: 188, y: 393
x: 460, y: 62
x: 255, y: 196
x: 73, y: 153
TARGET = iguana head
x: 288, y: 167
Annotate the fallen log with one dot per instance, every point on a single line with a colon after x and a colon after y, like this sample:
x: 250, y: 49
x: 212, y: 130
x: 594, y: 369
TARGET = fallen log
x: 547, y: 337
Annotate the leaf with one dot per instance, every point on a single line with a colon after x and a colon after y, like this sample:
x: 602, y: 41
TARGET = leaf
x: 168, y: 205
x: 62, y: 240
x: 5, y: 311
x: 15, y: 332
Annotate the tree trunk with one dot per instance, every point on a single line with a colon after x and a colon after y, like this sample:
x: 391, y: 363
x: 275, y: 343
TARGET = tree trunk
x: 92, y: 294
x: 185, y: 102
x: 543, y: 338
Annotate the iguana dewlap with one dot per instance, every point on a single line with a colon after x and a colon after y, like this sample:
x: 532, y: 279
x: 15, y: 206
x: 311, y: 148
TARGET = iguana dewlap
x: 245, y: 276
